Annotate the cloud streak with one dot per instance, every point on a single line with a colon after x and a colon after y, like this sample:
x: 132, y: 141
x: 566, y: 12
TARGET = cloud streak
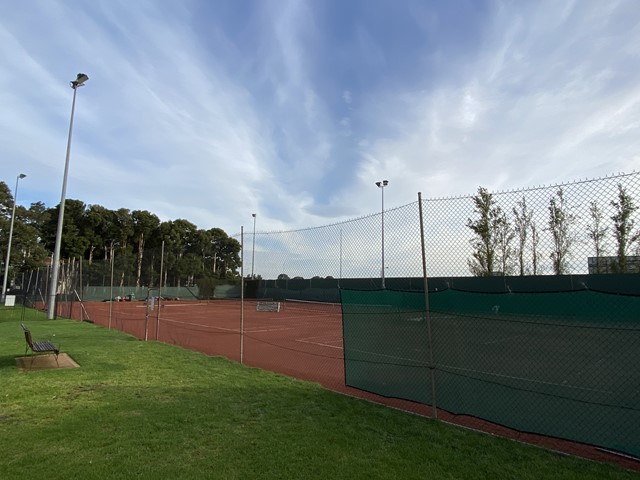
x: 292, y: 110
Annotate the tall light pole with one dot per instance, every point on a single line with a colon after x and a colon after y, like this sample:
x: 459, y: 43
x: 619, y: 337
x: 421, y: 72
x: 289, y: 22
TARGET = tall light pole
x: 13, y: 216
x: 253, y: 251
x: 381, y: 186
x: 53, y: 285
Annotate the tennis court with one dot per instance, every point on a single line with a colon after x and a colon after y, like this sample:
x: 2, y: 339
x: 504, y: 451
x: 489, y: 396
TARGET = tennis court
x: 303, y: 339
x: 492, y: 371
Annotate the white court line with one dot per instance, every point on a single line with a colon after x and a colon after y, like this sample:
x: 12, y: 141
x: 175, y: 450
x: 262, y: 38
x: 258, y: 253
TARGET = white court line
x: 312, y: 315
x: 318, y: 343
x: 267, y: 330
x: 163, y: 305
x: 264, y: 330
x: 317, y: 336
x: 530, y: 380
x: 235, y: 330
x: 280, y: 328
x: 166, y: 305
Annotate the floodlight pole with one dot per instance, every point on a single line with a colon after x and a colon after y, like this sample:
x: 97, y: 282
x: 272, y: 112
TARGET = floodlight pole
x: 253, y: 250
x: 53, y: 286
x: 13, y: 216
x: 381, y: 186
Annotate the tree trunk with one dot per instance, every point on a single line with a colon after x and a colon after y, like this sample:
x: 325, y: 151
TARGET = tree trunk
x: 140, y: 252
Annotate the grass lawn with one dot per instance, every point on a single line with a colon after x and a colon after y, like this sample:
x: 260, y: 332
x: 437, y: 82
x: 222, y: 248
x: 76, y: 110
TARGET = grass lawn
x: 148, y: 410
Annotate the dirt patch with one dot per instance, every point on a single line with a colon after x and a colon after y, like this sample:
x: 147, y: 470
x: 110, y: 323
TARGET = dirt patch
x: 45, y: 362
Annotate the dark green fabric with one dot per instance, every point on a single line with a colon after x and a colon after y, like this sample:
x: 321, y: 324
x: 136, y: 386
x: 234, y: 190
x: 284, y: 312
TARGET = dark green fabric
x: 563, y: 364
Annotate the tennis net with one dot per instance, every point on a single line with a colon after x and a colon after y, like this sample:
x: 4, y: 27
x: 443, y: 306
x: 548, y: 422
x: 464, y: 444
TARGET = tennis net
x: 311, y: 306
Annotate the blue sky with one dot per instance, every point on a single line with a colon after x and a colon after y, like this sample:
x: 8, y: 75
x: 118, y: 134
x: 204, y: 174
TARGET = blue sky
x: 213, y: 110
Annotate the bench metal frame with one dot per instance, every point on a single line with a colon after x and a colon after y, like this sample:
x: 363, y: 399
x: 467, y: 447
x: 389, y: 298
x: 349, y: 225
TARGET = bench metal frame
x: 41, y: 346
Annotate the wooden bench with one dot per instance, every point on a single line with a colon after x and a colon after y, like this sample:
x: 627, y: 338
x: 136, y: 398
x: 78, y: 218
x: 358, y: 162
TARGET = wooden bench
x: 41, y: 346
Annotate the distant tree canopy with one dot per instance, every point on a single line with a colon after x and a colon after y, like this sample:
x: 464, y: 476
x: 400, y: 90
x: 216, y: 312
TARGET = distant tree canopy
x: 134, y: 238
x: 27, y: 250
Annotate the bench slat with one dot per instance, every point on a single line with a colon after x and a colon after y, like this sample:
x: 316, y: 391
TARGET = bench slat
x: 44, y: 346
x: 39, y: 346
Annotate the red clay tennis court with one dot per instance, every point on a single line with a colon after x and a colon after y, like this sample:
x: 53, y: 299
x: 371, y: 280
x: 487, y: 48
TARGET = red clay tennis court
x: 303, y: 340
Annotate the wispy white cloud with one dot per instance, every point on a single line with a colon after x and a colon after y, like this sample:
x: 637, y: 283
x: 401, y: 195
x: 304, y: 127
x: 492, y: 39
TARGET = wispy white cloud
x: 549, y: 97
x: 173, y: 128
x: 293, y: 109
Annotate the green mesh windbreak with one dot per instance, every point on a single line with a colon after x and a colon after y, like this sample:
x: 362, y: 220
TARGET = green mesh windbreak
x: 385, y: 343
x: 563, y: 364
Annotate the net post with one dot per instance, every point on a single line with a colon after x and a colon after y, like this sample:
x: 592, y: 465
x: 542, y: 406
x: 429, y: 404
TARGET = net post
x: 426, y: 310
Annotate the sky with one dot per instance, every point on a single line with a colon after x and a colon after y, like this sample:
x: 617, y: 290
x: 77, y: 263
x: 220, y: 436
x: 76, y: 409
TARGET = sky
x: 211, y: 111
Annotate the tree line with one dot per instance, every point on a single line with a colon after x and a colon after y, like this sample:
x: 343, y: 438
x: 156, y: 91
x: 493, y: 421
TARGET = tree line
x: 131, y: 243
x: 509, y: 243
x: 133, y: 240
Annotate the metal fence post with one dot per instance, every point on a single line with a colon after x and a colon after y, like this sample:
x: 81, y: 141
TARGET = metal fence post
x: 426, y: 310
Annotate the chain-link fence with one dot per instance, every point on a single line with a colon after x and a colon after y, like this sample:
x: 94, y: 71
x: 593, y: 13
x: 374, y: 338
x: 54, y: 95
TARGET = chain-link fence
x: 530, y: 319
x: 576, y: 228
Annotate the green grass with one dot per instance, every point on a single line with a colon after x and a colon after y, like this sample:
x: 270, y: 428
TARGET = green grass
x: 149, y: 410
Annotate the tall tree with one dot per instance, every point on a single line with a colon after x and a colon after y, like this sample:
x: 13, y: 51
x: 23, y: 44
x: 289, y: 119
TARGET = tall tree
x: 27, y: 252
x: 74, y: 243
x: 178, y: 236
x: 623, y: 225
x: 125, y: 227
x: 535, y: 242
x: 6, y: 205
x: 597, y: 232
x: 521, y: 225
x: 202, y: 244
x: 219, y: 250
x: 145, y: 225
x: 486, y: 233
x: 505, y: 235
x: 37, y: 215
x: 6, y: 201
x: 560, y: 223
x: 100, y: 229
x: 229, y: 258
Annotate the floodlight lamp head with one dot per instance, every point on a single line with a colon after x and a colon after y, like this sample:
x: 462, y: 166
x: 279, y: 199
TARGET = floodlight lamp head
x: 253, y: 215
x: 379, y: 184
x: 79, y: 81
x: 21, y: 176
x: 385, y: 183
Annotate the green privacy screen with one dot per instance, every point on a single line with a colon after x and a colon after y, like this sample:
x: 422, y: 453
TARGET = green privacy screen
x: 563, y: 364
